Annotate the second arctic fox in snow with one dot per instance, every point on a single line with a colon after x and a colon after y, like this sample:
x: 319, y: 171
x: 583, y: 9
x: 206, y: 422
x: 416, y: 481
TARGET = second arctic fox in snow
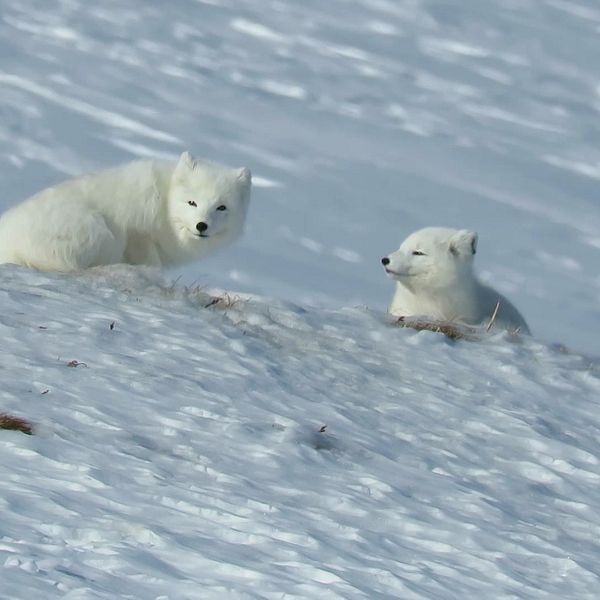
x: 434, y: 272
x: 145, y: 212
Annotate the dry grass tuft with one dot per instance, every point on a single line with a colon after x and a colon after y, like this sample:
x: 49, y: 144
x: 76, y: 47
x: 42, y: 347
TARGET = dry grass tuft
x: 198, y: 296
x: 15, y: 424
x: 457, y: 331
x: 223, y: 302
x: 452, y: 331
x: 493, y: 317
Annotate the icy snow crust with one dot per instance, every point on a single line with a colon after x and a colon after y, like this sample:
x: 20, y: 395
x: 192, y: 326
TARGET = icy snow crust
x: 182, y: 457
x: 185, y: 457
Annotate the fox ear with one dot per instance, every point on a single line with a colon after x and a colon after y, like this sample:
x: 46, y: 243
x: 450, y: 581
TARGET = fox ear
x: 464, y: 243
x: 244, y: 175
x: 244, y: 178
x: 186, y: 160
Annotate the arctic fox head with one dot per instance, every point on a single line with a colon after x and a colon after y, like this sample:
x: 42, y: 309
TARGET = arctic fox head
x: 208, y: 202
x: 432, y: 258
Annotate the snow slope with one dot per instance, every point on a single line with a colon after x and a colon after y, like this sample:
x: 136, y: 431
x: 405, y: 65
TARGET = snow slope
x: 185, y: 458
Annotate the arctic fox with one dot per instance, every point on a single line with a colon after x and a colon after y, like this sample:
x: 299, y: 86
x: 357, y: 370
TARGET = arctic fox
x: 144, y: 212
x: 434, y: 272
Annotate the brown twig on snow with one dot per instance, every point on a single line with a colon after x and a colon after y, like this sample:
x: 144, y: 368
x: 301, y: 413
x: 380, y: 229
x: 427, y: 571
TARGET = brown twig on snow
x: 76, y: 363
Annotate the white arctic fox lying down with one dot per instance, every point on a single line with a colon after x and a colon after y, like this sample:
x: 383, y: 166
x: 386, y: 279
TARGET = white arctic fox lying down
x: 145, y: 212
x: 434, y: 272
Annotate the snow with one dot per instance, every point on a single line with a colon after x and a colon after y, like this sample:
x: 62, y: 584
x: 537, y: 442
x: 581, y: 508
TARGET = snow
x: 291, y: 443
x: 184, y: 458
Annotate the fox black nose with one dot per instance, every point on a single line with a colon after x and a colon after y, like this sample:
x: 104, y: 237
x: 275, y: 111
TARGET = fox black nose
x: 201, y: 227
x: 385, y: 261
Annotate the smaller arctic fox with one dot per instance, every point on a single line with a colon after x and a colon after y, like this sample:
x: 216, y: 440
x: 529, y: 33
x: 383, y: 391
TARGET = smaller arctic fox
x: 434, y: 272
x: 145, y: 212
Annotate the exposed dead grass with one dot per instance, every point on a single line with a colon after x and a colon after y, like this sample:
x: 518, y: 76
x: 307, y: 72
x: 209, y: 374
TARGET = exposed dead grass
x: 457, y: 331
x: 198, y: 296
x: 452, y: 331
x: 15, y: 424
x: 223, y: 302
x: 493, y: 317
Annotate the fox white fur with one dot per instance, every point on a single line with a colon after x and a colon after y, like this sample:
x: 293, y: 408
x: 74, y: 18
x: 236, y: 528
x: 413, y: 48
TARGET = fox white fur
x: 145, y: 212
x: 433, y: 269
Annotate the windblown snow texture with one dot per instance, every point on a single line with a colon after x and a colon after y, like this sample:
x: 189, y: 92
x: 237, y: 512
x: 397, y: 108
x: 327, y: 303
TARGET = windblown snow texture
x: 294, y: 444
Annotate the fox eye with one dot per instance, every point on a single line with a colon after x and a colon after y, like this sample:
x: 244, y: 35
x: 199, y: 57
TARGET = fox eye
x: 418, y: 253
x: 192, y: 203
x: 222, y: 207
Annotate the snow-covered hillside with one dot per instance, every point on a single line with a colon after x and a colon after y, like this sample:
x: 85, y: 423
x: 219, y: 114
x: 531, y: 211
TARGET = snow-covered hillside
x: 263, y: 451
x: 184, y: 457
